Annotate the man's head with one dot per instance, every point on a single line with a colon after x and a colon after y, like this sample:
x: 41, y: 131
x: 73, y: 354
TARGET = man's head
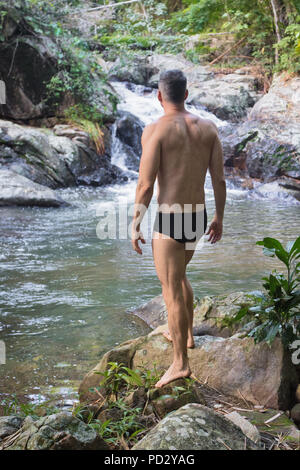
x: 172, y: 87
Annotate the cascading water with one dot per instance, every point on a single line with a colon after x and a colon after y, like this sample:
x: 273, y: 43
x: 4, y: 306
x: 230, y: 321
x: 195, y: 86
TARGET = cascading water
x: 65, y: 294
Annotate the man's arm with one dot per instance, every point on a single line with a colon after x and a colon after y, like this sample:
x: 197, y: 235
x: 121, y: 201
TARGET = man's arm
x: 149, y: 165
x: 216, y: 169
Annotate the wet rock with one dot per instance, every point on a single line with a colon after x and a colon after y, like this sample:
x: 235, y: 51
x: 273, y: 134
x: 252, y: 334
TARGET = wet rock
x: 55, y: 160
x: 9, y: 425
x: 195, y: 427
x: 248, y: 429
x: 60, y: 431
x: 16, y: 190
x: 129, y: 130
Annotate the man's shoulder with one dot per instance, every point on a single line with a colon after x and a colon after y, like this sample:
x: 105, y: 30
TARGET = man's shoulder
x: 153, y: 129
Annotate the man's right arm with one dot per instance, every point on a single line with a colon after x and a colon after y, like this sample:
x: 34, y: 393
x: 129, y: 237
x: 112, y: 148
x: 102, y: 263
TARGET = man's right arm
x: 216, y: 169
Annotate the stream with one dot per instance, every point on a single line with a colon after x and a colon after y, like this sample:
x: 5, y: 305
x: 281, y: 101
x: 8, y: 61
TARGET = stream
x: 66, y: 295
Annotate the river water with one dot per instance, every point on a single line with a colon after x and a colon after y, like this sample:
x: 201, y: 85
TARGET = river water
x: 66, y: 295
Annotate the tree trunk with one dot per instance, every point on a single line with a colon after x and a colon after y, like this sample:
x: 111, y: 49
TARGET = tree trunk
x: 275, y: 9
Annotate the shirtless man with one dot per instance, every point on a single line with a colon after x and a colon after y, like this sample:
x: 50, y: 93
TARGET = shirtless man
x: 178, y: 149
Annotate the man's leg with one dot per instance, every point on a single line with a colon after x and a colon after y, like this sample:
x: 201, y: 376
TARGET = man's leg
x: 189, y: 302
x: 169, y: 259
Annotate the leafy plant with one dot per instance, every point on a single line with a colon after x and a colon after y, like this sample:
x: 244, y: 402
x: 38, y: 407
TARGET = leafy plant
x: 277, y: 309
x: 13, y: 406
x: 123, y: 431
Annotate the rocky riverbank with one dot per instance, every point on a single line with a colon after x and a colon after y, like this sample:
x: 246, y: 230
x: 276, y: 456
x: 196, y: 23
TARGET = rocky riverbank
x: 240, y: 394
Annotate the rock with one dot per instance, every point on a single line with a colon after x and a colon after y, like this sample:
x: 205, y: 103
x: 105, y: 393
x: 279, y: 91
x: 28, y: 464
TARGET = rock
x: 281, y: 102
x: 129, y: 131
x: 137, y: 398
x: 136, y: 70
x: 161, y: 62
x: 227, y: 96
x: 276, y: 191
x: 235, y: 366
x: 9, y: 425
x: 60, y: 431
x: 248, y: 429
x: 173, y: 396
x: 267, y: 145
x: 295, y: 413
x: 54, y: 160
x: 121, y: 354
x: 297, y: 394
x: 28, y: 63
x: 195, y: 427
x: 154, y: 312
x: 114, y: 414
x: 16, y: 190
x: 209, y: 313
x: 280, y: 427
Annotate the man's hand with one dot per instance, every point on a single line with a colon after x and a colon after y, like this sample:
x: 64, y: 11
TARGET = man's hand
x: 135, y: 242
x: 215, y: 230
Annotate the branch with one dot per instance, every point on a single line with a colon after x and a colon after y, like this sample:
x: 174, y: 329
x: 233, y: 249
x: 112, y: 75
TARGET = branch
x: 227, y: 50
x: 111, y: 5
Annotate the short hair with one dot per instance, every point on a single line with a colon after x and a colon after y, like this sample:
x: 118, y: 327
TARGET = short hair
x: 173, y: 85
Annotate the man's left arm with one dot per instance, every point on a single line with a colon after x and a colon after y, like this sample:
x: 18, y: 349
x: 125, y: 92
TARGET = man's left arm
x: 149, y: 164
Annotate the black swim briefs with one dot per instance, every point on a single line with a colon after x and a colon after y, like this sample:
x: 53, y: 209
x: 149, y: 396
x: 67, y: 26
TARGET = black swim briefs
x: 184, y: 227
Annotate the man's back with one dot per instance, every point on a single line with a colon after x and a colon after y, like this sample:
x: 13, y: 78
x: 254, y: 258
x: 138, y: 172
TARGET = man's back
x: 186, y: 146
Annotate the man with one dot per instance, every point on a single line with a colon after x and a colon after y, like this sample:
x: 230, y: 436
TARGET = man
x: 178, y: 149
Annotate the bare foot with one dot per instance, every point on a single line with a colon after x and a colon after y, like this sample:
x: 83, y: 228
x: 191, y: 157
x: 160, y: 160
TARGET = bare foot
x: 190, y: 341
x: 174, y: 372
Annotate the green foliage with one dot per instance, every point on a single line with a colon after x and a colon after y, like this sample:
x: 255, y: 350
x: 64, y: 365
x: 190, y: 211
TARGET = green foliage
x: 127, y: 429
x: 117, y: 377
x: 277, y: 309
x: 197, y: 16
x: 289, y: 49
x: 13, y: 406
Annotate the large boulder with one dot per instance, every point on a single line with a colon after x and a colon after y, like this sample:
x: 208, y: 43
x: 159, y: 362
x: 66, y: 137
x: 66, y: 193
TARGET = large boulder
x: 209, y: 312
x: 129, y: 131
x: 60, y: 431
x: 236, y: 366
x: 54, y: 160
x: 260, y: 150
x: 134, y: 69
x: 28, y: 62
x: 267, y: 145
x: 16, y: 190
x: 195, y: 427
x: 224, y: 357
x: 228, y: 96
